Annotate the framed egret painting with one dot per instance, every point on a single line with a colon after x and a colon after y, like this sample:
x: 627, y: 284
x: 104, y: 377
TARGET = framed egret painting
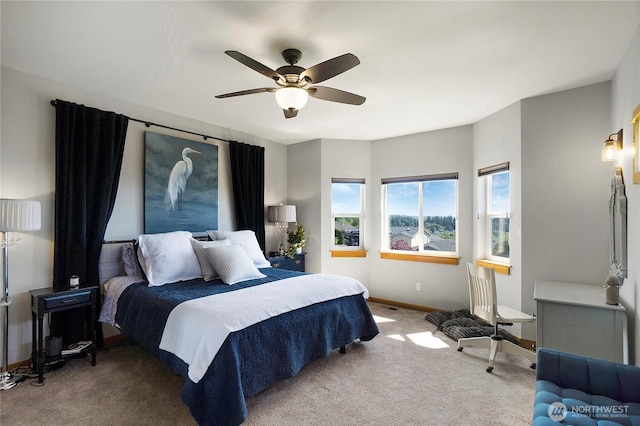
x: 180, y: 185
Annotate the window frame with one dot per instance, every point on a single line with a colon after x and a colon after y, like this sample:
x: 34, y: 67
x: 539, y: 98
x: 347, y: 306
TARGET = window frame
x: 488, y: 173
x: 350, y: 251
x: 422, y: 255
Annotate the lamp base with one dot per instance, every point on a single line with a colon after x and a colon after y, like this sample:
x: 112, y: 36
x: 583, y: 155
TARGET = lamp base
x: 8, y: 381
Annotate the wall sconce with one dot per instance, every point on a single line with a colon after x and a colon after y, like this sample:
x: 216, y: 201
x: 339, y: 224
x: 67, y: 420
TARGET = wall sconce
x: 612, y: 147
x: 281, y: 215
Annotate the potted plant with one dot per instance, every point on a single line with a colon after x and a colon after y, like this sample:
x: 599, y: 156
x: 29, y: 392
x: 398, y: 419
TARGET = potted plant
x: 296, y: 241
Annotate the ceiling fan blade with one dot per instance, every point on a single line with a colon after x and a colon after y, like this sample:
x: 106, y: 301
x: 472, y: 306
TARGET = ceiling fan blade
x: 330, y: 68
x: 254, y: 65
x: 290, y: 113
x: 335, y: 95
x: 247, y: 92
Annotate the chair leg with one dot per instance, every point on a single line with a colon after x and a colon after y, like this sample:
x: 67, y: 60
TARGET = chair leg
x: 496, y: 346
x: 474, y: 342
x: 513, y: 349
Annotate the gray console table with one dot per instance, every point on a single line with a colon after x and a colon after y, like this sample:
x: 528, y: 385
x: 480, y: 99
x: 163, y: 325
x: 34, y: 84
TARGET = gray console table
x: 574, y: 318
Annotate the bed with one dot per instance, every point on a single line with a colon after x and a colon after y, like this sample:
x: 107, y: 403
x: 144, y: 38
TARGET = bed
x: 256, y: 331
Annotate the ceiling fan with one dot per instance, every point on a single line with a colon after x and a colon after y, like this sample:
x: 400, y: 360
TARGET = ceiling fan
x: 296, y: 82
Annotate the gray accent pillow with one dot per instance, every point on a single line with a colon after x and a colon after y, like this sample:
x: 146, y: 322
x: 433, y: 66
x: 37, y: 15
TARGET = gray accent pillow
x: 232, y: 263
x: 130, y: 260
x: 208, y: 271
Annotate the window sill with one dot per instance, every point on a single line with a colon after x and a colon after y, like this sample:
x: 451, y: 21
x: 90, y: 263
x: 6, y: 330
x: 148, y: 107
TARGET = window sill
x: 445, y: 260
x: 498, y: 268
x: 348, y: 253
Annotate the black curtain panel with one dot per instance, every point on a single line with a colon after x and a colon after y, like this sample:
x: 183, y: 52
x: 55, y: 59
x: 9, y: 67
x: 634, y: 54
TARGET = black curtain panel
x: 247, y: 177
x: 89, y: 151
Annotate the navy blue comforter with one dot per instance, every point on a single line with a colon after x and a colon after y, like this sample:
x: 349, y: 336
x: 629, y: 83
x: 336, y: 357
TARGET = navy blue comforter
x: 252, y: 359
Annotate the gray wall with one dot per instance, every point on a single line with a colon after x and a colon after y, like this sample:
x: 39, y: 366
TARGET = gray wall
x: 565, y: 188
x: 625, y: 97
x: 560, y: 189
x: 27, y: 171
x: 561, y: 176
x: 441, y: 151
x: 346, y: 159
x: 311, y: 165
x: 497, y: 139
x: 304, y: 190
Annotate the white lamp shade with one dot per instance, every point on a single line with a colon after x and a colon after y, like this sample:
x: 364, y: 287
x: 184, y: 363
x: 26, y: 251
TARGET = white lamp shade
x: 281, y: 213
x: 19, y: 215
x: 291, y: 98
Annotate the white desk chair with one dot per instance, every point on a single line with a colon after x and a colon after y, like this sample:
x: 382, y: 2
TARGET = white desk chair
x: 482, y: 295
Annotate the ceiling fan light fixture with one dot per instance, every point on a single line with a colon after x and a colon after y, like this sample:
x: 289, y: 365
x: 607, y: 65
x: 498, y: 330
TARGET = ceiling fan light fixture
x: 296, y: 82
x: 291, y: 98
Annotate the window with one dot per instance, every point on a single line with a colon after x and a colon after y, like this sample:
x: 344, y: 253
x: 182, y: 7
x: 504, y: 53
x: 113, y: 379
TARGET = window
x: 347, y: 213
x: 420, y: 215
x: 497, y: 212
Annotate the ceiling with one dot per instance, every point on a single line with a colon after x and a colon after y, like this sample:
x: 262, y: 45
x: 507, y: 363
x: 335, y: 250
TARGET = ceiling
x: 424, y: 65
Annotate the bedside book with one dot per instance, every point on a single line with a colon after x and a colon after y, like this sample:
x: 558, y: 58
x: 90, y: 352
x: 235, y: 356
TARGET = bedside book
x: 76, y: 348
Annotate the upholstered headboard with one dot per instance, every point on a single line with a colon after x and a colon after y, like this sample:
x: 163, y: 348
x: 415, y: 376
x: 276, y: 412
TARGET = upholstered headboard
x: 110, y: 264
x: 110, y: 261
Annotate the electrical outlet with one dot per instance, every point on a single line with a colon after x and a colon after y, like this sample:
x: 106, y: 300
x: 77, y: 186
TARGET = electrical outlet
x: 418, y: 286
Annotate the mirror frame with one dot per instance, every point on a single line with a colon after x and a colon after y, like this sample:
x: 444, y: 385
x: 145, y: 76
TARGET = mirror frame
x: 636, y: 128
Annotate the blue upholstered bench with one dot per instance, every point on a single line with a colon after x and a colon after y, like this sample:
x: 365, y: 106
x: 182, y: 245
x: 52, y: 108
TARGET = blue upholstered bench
x: 577, y: 390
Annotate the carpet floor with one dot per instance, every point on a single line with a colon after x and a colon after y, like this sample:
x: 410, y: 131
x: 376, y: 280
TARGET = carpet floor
x: 409, y: 374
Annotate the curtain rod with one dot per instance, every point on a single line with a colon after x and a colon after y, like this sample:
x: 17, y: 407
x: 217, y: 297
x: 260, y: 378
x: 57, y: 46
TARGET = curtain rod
x: 149, y: 124
x: 133, y: 240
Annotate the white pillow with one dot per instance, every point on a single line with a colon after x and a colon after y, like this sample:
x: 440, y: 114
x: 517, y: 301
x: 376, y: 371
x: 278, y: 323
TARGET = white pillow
x: 232, y: 263
x: 168, y: 257
x: 208, y: 271
x: 245, y: 239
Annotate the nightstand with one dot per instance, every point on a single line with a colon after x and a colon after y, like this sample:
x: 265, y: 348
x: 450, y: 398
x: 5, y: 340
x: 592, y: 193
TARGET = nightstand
x: 48, y: 300
x: 285, y: 262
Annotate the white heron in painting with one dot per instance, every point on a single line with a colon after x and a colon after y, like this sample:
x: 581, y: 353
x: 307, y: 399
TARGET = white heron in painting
x: 178, y: 179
